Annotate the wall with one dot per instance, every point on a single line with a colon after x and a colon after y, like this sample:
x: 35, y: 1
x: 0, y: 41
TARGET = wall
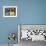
x: 7, y: 25
x: 29, y: 12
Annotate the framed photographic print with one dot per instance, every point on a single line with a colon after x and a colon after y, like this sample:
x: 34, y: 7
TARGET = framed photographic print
x: 9, y: 11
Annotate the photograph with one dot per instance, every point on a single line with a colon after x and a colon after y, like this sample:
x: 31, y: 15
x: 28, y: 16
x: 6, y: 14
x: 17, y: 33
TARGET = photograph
x: 9, y: 11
